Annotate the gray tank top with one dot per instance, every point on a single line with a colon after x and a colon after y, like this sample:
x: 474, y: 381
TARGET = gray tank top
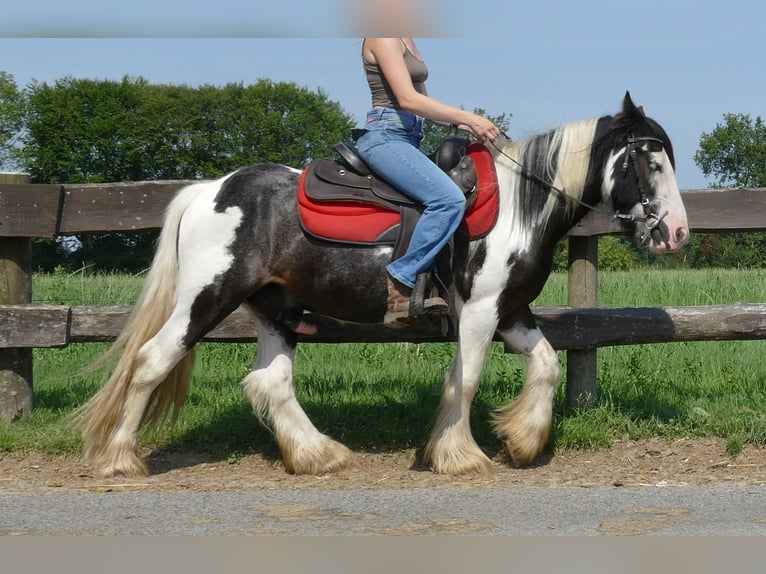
x: 382, y: 94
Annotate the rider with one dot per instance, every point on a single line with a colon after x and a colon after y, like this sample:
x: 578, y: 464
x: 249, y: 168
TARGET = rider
x: 396, y: 74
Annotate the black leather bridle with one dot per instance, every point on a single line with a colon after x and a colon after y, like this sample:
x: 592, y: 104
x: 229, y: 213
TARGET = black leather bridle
x: 652, y: 220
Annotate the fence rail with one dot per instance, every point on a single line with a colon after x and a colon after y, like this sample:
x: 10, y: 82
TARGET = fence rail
x: 566, y: 328
x: 44, y: 210
x: 29, y: 211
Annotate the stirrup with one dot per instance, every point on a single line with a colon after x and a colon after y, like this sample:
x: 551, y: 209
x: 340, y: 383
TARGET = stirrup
x: 433, y: 308
x: 403, y: 310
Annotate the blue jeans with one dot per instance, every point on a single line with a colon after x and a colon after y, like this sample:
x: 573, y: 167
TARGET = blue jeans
x: 391, y: 147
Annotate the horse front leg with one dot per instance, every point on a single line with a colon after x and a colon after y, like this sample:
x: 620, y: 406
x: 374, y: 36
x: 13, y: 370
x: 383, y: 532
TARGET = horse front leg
x: 451, y: 448
x: 525, y: 423
x: 269, y: 387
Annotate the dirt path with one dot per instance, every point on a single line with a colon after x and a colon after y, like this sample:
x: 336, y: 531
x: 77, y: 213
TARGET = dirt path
x: 626, y: 463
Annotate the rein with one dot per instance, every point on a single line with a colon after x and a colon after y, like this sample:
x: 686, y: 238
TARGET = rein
x: 630, y: 157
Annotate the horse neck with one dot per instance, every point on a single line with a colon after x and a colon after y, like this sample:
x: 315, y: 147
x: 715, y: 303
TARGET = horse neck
x: 561, y: 157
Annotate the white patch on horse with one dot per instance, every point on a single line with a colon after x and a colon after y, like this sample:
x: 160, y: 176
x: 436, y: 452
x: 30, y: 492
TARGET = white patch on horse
x: 208, y: 253
x: 663, y: 180
x: 607, y: 180
x: 523, y: 339
x: 510, y: 230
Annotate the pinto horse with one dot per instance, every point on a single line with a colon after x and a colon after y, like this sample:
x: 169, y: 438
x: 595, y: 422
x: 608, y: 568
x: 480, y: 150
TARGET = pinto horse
x: 238, y: 240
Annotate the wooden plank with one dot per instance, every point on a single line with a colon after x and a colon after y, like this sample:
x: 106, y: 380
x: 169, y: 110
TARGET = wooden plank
x: 726, y: 210
x: 33, y: 210
x: 708, y: 210
x: 28, y: 210
x: 34, y: 326
x: 91, y: 324
x: 105, y: 323
x: 566, y: 328
x: 123, y: 207
x: 595, y: 224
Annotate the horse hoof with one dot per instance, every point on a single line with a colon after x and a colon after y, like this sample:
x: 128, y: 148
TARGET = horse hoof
x: 331, y: 457
x: 125, y: 469
x: 472, y: 461
x: 118, y: 461
x: 522, y: 457
x: 454, y: 468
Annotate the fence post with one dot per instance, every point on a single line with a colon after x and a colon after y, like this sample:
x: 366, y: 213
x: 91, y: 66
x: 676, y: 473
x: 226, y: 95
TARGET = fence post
x: 16, y: 395
x: 582, y: 291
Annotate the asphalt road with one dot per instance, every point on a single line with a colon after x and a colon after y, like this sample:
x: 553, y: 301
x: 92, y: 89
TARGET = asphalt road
x: 663, y: 511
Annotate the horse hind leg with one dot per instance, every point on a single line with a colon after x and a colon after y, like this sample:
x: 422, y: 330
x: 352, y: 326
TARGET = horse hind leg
x: 269, y: 388
x: 150, y: 379
x: 525, y: 424
x: 158, y: 372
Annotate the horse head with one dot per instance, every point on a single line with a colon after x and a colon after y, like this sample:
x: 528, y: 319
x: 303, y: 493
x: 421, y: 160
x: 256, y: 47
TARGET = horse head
x: 639, y: 180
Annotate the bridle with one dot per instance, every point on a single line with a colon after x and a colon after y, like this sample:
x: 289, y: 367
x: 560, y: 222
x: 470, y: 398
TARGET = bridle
x: 652, y: 220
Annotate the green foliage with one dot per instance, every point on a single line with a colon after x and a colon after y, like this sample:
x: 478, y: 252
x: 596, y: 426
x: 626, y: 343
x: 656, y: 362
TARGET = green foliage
x: 734, y: 152
x: 735, y: 250
x: 433, y: 134
x: 616, y: 254
x: 103, y: 131
x: 11, y: 118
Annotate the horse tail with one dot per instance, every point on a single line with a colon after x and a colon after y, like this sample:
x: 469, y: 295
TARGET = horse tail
x: 99, y: 418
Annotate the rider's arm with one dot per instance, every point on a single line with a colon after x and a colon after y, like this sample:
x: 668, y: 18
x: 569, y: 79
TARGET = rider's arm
x: 387, y: 53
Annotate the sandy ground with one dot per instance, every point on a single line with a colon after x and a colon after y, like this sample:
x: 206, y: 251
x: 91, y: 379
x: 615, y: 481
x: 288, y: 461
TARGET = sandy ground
x: 626, y: 463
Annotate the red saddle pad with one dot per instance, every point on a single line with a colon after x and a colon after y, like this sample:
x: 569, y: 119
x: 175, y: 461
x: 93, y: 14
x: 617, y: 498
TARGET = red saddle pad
x: 354, y: 222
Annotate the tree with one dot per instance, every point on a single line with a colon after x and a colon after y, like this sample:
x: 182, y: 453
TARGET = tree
x: 99, y: 131
x: 85, y: 131
x: 11, y: 119
x: 734, y: 153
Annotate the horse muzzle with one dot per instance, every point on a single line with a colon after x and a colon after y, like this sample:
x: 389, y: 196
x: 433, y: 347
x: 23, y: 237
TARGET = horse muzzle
x: 664, y: 233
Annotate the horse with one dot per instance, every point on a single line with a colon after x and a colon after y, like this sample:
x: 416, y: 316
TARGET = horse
x: 237, y: 241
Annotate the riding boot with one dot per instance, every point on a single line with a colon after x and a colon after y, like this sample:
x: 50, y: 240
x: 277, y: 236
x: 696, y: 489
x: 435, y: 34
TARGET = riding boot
x: 398, y: 308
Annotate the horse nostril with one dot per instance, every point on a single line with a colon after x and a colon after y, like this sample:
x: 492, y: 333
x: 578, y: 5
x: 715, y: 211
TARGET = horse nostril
x: 681, y: 234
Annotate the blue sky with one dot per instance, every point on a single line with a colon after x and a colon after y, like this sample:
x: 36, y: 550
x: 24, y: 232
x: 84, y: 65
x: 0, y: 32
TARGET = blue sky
x: 545, y: 62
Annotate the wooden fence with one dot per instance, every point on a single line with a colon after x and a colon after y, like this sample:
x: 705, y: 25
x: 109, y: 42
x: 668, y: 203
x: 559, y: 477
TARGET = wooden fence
x: 28, y: 211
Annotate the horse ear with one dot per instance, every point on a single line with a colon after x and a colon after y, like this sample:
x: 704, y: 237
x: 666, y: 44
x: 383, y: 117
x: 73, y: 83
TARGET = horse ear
x: 627, y: 103
x: 629, y: 108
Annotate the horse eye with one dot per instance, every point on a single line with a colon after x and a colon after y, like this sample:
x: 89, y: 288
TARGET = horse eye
x: 655, y: 167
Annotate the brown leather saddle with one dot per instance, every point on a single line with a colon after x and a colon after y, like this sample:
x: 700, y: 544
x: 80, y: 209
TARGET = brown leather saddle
x: 350, y: 179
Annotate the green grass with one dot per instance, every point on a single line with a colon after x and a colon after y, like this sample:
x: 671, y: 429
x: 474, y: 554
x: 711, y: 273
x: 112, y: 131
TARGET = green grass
x: 383, y: 396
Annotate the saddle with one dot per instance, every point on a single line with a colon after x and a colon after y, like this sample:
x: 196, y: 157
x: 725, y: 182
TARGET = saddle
x: 342, y: 201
